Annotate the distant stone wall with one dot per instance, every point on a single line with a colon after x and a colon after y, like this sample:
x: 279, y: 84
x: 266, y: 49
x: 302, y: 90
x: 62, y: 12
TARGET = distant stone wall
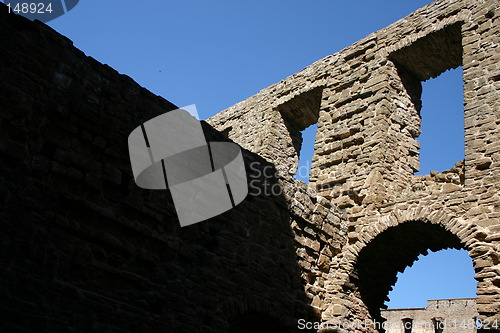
x: 440, y: 316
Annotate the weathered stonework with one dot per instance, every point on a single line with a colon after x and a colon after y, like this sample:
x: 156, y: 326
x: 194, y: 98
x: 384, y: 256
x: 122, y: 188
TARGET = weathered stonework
x: 85, y: 250
x: 366, y: 99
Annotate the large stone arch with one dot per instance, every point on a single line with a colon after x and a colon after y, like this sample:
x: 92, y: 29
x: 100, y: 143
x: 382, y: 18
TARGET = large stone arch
x: 357, y: 288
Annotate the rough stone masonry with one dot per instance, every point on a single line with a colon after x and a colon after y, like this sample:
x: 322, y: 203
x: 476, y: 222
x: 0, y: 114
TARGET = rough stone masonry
x: 83, y: 249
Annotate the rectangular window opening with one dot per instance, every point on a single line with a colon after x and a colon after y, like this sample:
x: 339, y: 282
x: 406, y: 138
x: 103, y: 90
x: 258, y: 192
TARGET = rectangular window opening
x: 306, y: 153
x: 300, y: 117
x: 438, y: 325
x: 442, y: 129
x: 407, y: 325
x: 431, y: 74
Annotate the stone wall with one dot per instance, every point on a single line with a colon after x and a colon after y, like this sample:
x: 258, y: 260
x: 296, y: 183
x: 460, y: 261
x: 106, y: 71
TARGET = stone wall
x: 443, y: 315
x: 83, y: 249
x: 367, y: 100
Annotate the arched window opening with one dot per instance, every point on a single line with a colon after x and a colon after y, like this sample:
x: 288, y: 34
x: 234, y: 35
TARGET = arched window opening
x: 397, y: 248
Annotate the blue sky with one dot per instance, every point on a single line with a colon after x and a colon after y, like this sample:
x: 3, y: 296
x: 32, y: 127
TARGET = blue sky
x: 217, y: 53
x: 438, y: 275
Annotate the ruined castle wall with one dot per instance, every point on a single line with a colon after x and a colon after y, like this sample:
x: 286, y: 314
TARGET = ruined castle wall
x: 84, y: 247
x: 368, y: 112
x: 366, y: 150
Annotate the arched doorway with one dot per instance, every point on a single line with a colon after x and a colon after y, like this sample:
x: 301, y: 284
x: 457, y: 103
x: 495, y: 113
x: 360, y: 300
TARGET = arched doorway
x: 365, y: 270
x: 391, y: 252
